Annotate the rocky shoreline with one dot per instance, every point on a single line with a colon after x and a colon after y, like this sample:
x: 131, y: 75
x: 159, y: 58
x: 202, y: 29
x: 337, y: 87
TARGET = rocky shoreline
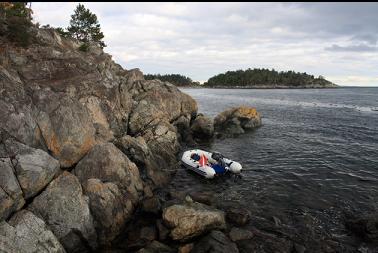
x: 85, y: 145
x: 267, y: 87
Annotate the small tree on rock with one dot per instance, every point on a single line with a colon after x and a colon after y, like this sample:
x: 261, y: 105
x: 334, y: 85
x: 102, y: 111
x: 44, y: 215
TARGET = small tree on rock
x: 85, y: 27
x: 15, y: 22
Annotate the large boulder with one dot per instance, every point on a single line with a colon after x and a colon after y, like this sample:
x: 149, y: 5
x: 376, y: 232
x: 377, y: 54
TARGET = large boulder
x: 202, y: 128
x: 25, y: 232
x: 34, y: 168
x: 65, y: 126
x: 109, y: 208
x: 65, y: 210
x: 11, y: 196
x: 155, y: 159
x: 237, y: 120
x: 192, y: 219
x: 113, y: 185
x: 135, y: 148
x: 164, y: 146
x: 182, y: 125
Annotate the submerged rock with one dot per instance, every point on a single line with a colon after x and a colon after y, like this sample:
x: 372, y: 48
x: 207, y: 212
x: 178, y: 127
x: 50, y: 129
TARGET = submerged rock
x: 266, y: 242
x: 25, y: 232
x: 206, y: 198
x: 238, y: 215
x: 237, y: 234
x: 156, y: 247
x: 190, y: 220
x: 187, y: 248
x: 237, y: 120
x: 215, y: 242
x: 365, y: 227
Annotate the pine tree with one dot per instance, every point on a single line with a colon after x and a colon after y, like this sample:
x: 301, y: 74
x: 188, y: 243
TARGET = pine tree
x: 85, y: 27
x: 15, y: 22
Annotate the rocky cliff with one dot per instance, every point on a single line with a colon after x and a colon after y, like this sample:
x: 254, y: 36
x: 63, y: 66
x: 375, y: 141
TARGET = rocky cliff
x: 61, y: 110
x: 85, y: 144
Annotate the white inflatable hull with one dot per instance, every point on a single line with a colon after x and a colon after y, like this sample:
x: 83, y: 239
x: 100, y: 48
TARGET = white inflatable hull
x: 207, y: 171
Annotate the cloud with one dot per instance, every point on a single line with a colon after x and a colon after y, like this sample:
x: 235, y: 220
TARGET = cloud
x: 204, y: 39
x: 352, y: 48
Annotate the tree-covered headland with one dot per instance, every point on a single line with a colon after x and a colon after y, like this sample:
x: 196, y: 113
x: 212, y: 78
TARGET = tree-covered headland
x: 266, y: 78
x: 176, y: 79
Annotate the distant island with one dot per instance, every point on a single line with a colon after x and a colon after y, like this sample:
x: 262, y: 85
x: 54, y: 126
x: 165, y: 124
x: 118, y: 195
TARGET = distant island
x: 176, y: 79
x: 265, y: 78
x: 250, y: 79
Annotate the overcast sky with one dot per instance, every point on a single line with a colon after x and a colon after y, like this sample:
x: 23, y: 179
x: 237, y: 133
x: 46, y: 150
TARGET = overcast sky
x: 199, y: 40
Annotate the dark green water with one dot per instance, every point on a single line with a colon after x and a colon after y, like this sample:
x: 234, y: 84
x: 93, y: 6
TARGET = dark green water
x: 316, y: 154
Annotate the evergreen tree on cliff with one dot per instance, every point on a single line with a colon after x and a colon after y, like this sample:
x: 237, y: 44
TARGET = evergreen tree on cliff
x: 15, y: 22
x: 85, y: 27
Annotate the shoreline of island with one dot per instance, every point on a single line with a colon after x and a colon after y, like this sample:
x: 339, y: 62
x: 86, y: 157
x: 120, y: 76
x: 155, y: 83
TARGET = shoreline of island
x: 261, y: 87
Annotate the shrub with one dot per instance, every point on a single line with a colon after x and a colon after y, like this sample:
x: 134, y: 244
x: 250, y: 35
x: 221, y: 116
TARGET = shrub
x: 84, y: 47
x: 16, y: 17
x: 18, y: 31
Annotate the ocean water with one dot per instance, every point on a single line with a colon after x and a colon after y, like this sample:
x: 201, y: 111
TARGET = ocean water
x: 314, y: 159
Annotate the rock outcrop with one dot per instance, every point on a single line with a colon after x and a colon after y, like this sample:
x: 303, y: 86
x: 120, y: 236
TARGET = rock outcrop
x: 236, y: 120
x: 65, y: 101
x: 61, y: 109
x: 25, y: 232
x: 190, y: 220
x: 84, y: 144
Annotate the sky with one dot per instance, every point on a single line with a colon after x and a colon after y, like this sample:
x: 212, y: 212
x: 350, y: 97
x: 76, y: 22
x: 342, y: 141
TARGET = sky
x: 200, y: 40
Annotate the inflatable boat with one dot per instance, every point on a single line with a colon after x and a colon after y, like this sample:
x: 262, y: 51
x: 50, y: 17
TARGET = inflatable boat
x: 209, y: 164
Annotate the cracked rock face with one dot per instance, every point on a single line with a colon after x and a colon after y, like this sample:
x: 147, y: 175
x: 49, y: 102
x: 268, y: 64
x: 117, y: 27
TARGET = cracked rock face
x: 24, y: 172
x: 11, y: 198
x: 65, y: 126
x: 65, y: 210
x: 35, y: 171
x: 113, y: 185
x: 25, y: 232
